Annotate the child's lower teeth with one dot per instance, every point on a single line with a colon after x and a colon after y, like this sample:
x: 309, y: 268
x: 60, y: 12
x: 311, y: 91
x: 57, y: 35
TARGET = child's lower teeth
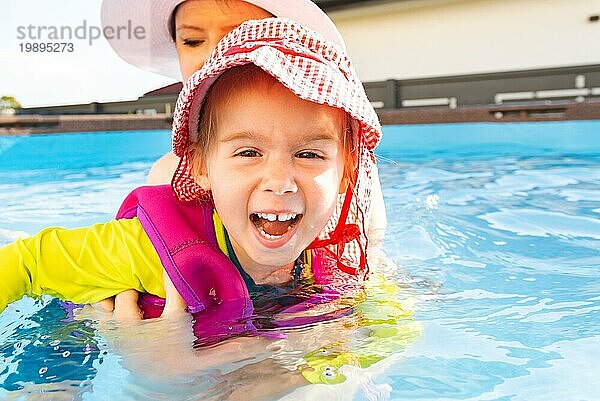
x: 260, y: 229
x: 258, y: 222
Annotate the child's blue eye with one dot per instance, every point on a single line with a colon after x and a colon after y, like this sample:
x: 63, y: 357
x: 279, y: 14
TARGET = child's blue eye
x: 308, y: 155
x: 248, y: 153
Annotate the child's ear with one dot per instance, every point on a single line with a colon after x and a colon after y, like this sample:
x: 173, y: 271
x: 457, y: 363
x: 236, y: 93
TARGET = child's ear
x: 201, y: 177
x: 203, y: 182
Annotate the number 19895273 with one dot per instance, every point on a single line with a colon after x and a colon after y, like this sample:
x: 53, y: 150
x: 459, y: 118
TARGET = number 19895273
x: 35, y: 47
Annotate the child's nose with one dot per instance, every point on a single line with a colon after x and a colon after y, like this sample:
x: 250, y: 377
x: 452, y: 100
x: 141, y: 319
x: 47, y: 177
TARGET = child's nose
x: 279, y: 177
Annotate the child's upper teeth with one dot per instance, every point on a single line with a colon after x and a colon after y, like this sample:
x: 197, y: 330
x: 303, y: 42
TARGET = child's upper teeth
x: 286, y: 217
x: 275, y: 217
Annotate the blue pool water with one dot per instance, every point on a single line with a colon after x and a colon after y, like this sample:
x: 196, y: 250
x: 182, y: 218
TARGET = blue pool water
x: 494, y: 228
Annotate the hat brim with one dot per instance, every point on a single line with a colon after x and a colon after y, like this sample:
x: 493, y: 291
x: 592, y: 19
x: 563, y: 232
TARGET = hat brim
x: 156, y: 51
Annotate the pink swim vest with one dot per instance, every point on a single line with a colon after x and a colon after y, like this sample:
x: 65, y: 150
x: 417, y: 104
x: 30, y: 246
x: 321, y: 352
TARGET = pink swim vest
x: 184, y: 237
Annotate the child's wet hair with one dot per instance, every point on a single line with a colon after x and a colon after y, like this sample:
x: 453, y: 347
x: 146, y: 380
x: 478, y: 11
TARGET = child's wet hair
x: 249, y: 76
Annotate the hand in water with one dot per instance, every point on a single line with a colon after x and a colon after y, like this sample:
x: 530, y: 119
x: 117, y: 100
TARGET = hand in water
x: 124, y: 306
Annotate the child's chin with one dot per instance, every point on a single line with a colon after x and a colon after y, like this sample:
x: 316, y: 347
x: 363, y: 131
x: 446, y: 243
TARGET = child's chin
x: 280, y: 252
x: 277, y: 258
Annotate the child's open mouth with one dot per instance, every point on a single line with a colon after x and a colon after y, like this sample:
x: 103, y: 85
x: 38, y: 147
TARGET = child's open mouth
x: 274, y: 226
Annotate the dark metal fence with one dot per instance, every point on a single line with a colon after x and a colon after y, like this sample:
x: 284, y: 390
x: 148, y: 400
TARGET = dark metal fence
x: 552, y: 84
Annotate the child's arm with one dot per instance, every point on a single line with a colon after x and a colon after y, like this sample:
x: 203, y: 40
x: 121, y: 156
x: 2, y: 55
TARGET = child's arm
x: 82, y: 265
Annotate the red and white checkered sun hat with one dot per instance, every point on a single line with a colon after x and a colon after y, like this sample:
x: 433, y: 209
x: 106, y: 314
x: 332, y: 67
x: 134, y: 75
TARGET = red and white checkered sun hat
x: 315, y: 70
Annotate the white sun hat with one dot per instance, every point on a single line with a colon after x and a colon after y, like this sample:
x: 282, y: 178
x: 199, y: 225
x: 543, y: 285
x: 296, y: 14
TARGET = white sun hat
x: 151, y: 47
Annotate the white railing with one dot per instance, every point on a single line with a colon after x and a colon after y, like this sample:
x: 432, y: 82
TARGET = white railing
x: 451, y: 102
x: 579, y: 93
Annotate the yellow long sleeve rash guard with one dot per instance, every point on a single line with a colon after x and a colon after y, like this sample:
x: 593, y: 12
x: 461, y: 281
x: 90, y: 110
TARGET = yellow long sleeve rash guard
x: 83, y: 265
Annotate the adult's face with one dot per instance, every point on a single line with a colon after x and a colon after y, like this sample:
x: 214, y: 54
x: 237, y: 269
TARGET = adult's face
x: 200, y: 24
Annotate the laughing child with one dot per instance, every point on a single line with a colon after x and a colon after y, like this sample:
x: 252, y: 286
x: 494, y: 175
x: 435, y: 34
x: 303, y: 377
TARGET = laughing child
x: 182, y: 34
x: 275, y: 137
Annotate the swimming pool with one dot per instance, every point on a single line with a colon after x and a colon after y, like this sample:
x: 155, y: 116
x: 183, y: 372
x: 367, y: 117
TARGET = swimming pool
x: 495, y: 227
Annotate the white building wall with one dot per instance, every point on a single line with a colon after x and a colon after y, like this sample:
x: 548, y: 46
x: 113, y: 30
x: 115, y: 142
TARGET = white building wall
x: 425, y: 38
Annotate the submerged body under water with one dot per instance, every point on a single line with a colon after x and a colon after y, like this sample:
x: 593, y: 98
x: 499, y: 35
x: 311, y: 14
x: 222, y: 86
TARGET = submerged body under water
x: 494, y: 234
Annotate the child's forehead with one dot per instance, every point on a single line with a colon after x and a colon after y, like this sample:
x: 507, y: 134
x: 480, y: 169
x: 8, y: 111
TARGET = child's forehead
x: 270, y: 106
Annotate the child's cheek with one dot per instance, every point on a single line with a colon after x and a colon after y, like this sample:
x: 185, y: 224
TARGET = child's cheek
x: 327, y: 185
